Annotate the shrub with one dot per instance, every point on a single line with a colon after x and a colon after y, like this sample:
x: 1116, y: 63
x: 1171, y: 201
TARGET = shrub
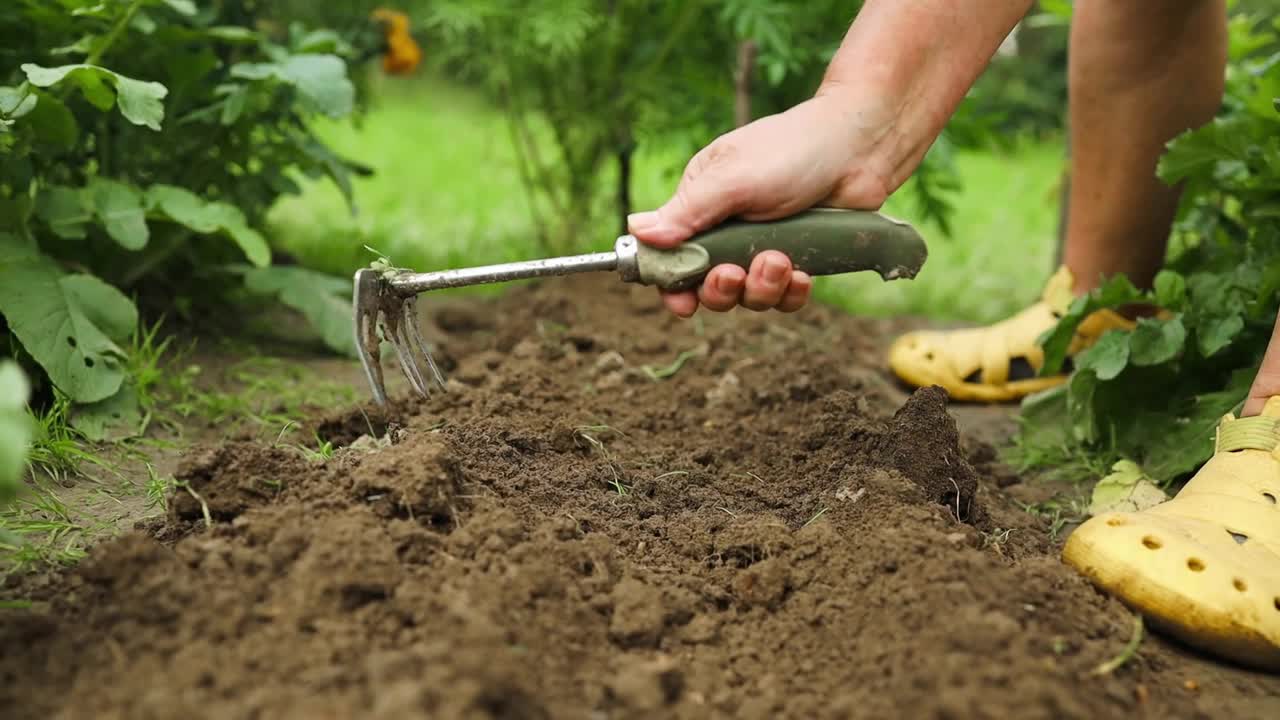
x: 141, y: 145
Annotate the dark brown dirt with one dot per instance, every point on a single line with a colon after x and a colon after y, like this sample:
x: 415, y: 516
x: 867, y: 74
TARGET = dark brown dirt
x: 766, y: 533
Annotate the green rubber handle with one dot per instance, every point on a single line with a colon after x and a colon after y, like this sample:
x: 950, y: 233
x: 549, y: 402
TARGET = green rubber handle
x: 820, y: 242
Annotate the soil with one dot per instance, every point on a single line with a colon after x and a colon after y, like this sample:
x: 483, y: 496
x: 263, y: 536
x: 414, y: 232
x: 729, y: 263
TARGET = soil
x: 580, y: 528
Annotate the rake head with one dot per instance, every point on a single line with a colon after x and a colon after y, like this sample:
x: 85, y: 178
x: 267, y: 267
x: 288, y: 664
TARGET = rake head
x: 382, y: 313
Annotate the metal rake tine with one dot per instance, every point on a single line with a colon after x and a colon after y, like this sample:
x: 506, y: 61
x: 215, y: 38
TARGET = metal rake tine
x: 365, y: 304
x: 404, y: 345
x: 405, y: 356
x: 405, y: 350
x: 369, y: 343
x: 415, y: 338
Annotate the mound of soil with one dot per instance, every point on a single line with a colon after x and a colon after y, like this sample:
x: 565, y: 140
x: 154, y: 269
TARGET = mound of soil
x: 610, y: 514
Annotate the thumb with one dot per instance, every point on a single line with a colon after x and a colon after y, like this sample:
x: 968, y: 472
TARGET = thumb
x: 708, y: 193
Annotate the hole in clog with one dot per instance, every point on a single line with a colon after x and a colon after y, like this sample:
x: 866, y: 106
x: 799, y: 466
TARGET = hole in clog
x: 1195, y: 564
x: 1020, y: 369
x: 1240, y: 538
x: 928, y: 356
x: 1278, y: 603
x: 1152, y: 543
x: 1270, y: 498
x: 1239, y: 585
x: 1115, y: 522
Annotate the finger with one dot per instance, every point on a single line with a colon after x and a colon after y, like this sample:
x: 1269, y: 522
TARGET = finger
x: 721, y: 290
x: 711, y: 189
x: 767, y: 281
x: 682, y: 304
x: 798, y: 292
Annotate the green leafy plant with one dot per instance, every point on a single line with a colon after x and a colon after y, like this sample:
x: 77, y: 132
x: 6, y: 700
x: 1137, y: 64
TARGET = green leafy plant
x: 585, y: 85
x: 142, y: 143
x: 15, y: 428
x: 1155, y: 394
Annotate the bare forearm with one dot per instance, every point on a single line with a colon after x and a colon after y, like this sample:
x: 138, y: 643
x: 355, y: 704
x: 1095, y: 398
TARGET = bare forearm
x: 904, y: 67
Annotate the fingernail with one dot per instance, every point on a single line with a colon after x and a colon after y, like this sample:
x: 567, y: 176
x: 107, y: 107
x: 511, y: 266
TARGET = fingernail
x: 727, y: 285
x: 774, y: 270
x: 642, y: 221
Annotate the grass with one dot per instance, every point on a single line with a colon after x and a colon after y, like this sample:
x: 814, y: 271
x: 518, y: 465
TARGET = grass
x: 590, y: 434
x: 39, y: 529
x: 446, y: 193
x: 266, y: 391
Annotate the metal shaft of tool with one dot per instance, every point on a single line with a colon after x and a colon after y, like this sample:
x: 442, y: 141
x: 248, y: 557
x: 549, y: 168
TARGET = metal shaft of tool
x: 414, y: 283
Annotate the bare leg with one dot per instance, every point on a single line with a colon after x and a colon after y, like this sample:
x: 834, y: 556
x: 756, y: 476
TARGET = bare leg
x: 1267, y: 382
x: 1141, y: 72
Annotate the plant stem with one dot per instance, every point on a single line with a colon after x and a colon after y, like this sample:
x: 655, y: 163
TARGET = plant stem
x: 95, y: 56
x: 1130, y: 649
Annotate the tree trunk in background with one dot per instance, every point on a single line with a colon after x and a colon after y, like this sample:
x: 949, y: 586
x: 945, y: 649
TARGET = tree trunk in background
x: 742, y: 82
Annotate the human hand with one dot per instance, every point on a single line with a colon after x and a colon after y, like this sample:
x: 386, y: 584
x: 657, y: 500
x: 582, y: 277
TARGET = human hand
x: 817, y: 153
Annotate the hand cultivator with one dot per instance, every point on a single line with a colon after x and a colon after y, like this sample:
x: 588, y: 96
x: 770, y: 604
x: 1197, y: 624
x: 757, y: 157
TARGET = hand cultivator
x: 819, y: 242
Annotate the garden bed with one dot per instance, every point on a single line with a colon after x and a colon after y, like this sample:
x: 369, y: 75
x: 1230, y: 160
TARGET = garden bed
x: 610, y: 514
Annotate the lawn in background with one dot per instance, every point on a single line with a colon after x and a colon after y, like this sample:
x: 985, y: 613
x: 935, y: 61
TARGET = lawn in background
x: 446, y: 194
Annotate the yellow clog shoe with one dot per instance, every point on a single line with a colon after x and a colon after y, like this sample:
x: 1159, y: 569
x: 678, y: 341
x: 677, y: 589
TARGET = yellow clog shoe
x: 1205, y: 566
x: 1000, y: 362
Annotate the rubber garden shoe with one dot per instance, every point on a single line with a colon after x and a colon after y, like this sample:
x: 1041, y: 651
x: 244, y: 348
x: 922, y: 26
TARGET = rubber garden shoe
x: 1205, y: 566
x: 1000, y: 362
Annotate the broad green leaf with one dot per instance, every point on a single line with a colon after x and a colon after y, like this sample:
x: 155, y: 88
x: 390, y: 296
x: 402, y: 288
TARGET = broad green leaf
x: 1125, y: 489
x: 182, y: 206
x: 188, y: 209
x: 234, y: 105
x: 142, y: 103
x: 1216, y: 332
x: 1042, y: 420
x: 1107, y: 357
x: 103, y: 305
x: 321, y: 41
x: 90, y: 79
x: 17, y: 102
x: 119, y: 417
x: 52, y: 315
x: 233, y: 34
x: 120, y: 209
x: 143, y: 23
x: 185, y: 7
x: 53, y: 123
x: 1171, y: 289
x: 1116, y: 292
x: 1081, y: 389
x: 323, y: 299
x: 1216, y: 292
x: 251, y: 242
x: 66, y: 210
x: 1197, y: 153
x: 15, y: 428
x: 1179, y: 442
x: 82, y: 46
x: 1156, y: 341
x: 321, y: 80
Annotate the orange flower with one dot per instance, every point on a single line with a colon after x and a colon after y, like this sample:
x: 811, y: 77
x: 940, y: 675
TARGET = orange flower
x: 402, y: 54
